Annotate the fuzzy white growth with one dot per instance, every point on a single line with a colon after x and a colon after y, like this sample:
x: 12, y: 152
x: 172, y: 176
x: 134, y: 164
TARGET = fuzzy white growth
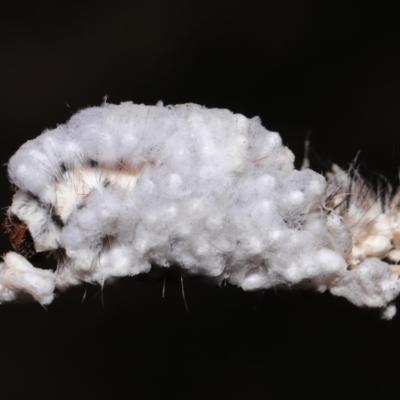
x: 19, y: 275
x: 370, y: 284
x: 205, y: 189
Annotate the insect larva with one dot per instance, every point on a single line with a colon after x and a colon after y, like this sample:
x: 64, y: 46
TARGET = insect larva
x: 120, y: 188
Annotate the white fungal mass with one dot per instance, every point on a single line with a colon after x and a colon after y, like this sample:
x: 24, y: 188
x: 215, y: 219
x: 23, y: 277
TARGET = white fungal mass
x: 120, y: 188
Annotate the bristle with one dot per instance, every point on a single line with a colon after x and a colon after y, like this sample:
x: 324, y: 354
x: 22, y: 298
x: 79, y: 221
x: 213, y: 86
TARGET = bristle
x: 369, y: 211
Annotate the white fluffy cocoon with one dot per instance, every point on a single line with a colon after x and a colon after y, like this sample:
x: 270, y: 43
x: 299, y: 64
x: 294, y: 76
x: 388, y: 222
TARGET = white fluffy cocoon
x: 120, y: 188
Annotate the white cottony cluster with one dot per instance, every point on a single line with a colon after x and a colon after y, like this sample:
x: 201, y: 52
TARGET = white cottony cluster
x: 120, y: 188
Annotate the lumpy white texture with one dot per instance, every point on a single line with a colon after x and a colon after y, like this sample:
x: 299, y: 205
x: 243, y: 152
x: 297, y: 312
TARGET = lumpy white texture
x: 210, y: 191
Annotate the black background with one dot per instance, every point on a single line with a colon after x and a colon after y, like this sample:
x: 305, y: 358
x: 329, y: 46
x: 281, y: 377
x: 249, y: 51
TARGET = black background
x: 330, y: 67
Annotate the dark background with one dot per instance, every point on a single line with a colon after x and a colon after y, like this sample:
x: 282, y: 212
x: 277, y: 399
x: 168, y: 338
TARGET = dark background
x: 330, y: 67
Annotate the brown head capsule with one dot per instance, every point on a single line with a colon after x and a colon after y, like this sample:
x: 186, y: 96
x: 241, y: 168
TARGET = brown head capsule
x: 19, y: 235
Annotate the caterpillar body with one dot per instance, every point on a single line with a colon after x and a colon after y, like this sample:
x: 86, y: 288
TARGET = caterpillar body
x: 120, y: 188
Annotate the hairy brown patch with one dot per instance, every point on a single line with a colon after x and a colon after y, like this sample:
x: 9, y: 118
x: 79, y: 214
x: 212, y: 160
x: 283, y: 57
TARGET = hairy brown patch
x: 19, y: 235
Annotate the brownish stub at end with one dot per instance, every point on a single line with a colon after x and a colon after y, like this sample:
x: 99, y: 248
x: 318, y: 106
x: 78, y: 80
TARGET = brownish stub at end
x: 19, y: 235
